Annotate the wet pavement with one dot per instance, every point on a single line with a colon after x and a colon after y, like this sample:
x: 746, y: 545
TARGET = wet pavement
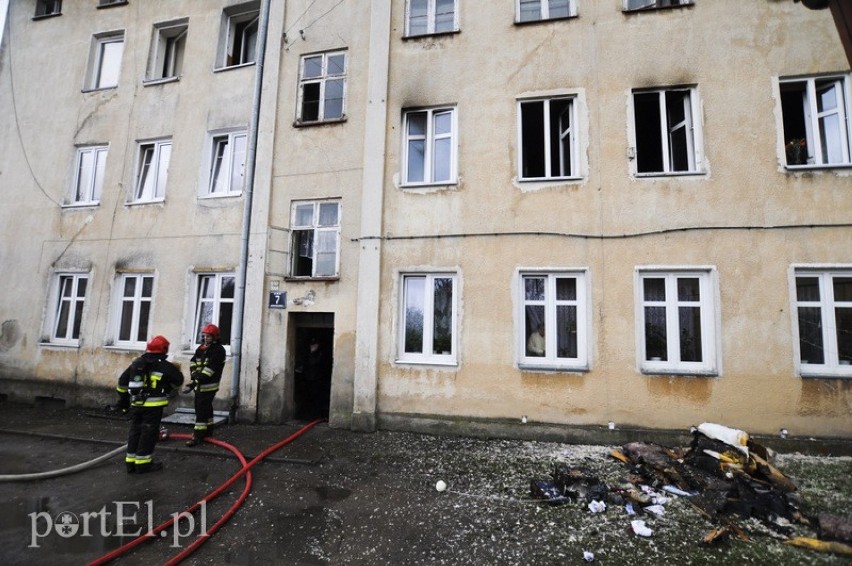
x: 329, y: 497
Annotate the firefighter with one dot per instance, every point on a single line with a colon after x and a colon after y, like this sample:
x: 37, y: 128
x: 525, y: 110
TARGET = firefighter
x: 144, y: 388
x: 205, y: 370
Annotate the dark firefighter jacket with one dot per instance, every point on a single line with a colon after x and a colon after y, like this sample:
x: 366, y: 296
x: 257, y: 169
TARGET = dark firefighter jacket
x: 206, y: 367
x: 159, y: 378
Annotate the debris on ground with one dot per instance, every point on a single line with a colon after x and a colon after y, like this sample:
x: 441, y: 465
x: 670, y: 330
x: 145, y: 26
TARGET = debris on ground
x: 724, y: 474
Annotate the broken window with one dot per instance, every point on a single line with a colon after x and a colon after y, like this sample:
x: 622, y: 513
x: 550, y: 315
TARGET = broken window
x: 322, y: 84
x: 426, y: 17
x: 554, y: 320
x: 677, y: 321
x: 168, y: 44
x: 536, y: 10
x: 630, y: 5
x: 238, y: 36
x: 105, y: 61
x: 214, y: 304
x: 152, y: 171
x: 89, y: 175
x: 430, y: 148
x: 548, y: 139
x: 667, y: 135
x: 815, y: 114
x: 135, y: 293
x: 68, y: 314
x: 428, y: 318
x: 824, y: 319
x: 227, y: 164
x: 315, y: 239
x: 48, y: 8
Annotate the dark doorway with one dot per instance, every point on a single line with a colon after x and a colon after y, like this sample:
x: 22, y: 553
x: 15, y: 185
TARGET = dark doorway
x: 314, y: 359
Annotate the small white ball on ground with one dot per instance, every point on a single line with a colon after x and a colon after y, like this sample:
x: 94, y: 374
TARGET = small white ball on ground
x: 441, y: 485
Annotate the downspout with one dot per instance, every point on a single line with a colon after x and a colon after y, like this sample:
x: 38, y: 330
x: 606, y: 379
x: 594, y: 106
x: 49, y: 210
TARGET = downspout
x: 251, y: 156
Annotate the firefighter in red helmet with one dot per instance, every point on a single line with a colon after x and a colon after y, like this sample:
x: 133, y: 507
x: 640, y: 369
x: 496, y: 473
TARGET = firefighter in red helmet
x: 205, y: 369
x: 144, y: 388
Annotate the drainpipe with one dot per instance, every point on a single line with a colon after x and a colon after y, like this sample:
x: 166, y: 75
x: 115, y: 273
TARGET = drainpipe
x: 251, y: 156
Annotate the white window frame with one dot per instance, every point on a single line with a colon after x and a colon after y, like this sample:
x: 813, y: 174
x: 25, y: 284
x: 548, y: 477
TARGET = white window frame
x: 68, y: 308
x: 89, y: 171
x: 430, y: 138
x: 639, y: 5
x: 427, y: 355
x: 152, y: 175
x: 818, y: 151
x: 138, y: 314
x: 168, y: 47
x: 245, y: 17
x: 328, y: 74
x: 543, y: 9
x: 213, y: 314
x: 105, y: 59
x: 319, y: 234
x: 709, y: 320
x: 691, y: 124
x: 828, y: 304
x: 431, y: 18
x: 224, y: 154
x: 45, y: 8
x: 569, y: 136
x: 550, y: 304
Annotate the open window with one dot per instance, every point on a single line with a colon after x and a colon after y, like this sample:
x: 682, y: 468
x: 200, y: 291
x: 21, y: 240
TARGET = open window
x: 816, y: 115
x: 315, y: 238
x: 89, y: 170
x: 45, y: 8
x: 238, y: 35
x: 227, y: 163
x: 322, y: 86
x: 548, y: 139
x: 634, y: 5
x: 66, y: 317
x: 214, y: 304
x: 667, y: 131
x: 152, y: 170
x: 168, y: 44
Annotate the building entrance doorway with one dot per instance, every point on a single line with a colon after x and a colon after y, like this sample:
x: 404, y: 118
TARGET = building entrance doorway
x: 313, y: 360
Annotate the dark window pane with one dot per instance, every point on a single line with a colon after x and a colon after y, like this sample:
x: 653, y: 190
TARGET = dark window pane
x: 807, y: 288
x: 655, y: 288
x: 655, y: 334
x: 690, y: 334
x: 442, y: 331
x: 566, y: 289
x: 842, y: 289
x: 810, y: 335
x: 535, y: 330
x: 532, y: 140
x: 843, y: 320
x: 688, y: 289
x: 649, y: 141
x: 144, y: 311
x: 310, y: 102
x: 566, y: 331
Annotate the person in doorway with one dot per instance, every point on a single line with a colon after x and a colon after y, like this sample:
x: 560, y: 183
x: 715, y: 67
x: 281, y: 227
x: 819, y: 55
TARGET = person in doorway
x: 144, y: 388
x: 205, y: 370
x: 535, y: 343
x: 317, y: 382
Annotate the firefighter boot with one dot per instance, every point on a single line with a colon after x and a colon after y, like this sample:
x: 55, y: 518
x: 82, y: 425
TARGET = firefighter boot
x: 149, y: 467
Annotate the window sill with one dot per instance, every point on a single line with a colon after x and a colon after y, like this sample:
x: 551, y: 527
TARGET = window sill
x: 80, y: 205
x: 545, y: 20
x: 553, y: 368
x: 827, y: 373
x: 144, y: 202
x: 663, y: 175
x: 430, y: 35
x: 140, y: 348
x: 677, y: 372
x: 232, y: 67
x: 113, y: 4
x: 447, y: 185
x: 300, y: 124
x: 100, y: 89
x: 821, y: 167
x: 299, y: 279
x: 208, y: 196
x: 60, y: 345
x: 428, y: 363
x: 160, y: 81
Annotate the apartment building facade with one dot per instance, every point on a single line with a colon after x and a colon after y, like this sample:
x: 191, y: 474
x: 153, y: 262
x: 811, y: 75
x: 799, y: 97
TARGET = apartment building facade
x: 563, y: 212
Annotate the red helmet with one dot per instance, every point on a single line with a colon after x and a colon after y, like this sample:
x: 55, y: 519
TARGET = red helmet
x: 158, y: 345
x: 211, y: 329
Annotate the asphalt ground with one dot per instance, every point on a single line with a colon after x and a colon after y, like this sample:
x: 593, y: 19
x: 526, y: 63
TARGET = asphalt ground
x: 328, y: 497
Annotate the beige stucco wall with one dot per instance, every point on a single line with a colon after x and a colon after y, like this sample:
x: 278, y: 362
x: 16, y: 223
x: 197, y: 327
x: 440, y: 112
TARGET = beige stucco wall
x: 734, y: 52
x: 44, y: 65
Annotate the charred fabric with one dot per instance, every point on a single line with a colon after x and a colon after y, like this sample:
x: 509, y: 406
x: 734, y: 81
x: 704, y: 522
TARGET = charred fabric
x: 723, y: 473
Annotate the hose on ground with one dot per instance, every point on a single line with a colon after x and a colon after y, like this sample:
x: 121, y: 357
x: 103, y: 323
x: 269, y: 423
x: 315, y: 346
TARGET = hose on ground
x: 64, y: 471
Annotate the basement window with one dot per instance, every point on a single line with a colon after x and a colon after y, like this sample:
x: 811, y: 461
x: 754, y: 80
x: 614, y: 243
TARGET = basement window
x: 45, y: 8
x: 635, y: 5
